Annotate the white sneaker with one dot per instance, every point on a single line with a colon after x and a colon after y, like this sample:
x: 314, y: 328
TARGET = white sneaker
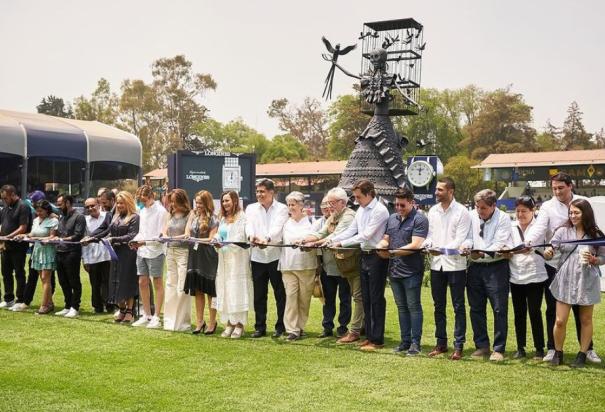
x: 7, y: 305
x: 154, y: 323
x: 591, y: 356
x: 72, y: 313
x: 62, y: 312
x: 143, y: 320
x: 19, y: 307
x: 549, y: 355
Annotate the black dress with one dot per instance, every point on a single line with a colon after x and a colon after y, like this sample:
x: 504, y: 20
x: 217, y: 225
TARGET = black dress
x: 123, y: 279
x: 202, y: 264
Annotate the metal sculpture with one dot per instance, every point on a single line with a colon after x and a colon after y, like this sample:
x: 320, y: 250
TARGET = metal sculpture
x: 390, y: 83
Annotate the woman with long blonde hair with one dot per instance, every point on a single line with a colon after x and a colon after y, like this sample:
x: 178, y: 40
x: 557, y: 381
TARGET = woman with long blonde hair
x: 123, y: 280
x: 203, y: 260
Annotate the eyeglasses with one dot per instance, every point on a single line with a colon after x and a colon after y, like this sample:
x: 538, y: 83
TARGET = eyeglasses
x: 481, y: 227
x: 89, y: 206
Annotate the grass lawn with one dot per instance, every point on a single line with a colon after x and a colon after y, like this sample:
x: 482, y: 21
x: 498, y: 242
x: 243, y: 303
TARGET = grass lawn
x: 49, y: 363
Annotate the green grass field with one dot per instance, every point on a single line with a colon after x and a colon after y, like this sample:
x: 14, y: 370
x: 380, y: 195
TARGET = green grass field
x: 49, y: 363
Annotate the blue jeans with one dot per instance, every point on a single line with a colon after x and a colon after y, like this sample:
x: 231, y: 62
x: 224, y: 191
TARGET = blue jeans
x: 406, y: 292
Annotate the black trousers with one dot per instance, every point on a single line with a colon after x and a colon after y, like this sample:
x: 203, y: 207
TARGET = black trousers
x: 457, y: 283
x: 32, y: 282
x: 489, y: 282
x: 551, y: 312
x: 528, y: 298
x: 98, y: 273
x: 331, y: 286
x: 68, y: 270
x: 373, y: 276
x: 262, y: 274
x: 13, y: 260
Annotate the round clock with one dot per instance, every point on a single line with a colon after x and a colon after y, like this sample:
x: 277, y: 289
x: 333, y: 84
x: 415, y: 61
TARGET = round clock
x: 420, y: 173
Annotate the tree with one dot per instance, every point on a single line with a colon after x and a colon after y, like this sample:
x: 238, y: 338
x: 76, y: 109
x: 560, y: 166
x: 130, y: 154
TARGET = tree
x: 178, y: 90
x: 102, y: 106
x: 307, y: 123
x: 285, y: 148
x: 502, y: 126
x: 235, y: 136
x: 346, y: 123
x: 573, y: 133
x: 599, y: 138
x: 140, y: 114
x: 549, y: 139
x: 55, y: 106
x: 468, y: 181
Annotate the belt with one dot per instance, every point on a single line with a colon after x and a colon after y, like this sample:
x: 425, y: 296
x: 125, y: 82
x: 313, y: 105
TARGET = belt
x: 368, y: 252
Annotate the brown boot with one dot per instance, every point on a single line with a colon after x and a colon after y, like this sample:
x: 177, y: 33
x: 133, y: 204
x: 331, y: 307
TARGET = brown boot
x: 348, y: 338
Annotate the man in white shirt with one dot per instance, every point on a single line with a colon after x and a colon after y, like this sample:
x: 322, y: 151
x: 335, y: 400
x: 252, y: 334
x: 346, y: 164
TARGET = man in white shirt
x: 150, y: 256
x: 95, y: 256
x: 488, y: 273
x: 367, y: 230
x: 264, y: 224
x: 553, y: 214
x: 449, y: 225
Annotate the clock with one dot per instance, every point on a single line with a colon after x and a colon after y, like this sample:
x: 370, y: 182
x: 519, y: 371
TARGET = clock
x: 420, y: 173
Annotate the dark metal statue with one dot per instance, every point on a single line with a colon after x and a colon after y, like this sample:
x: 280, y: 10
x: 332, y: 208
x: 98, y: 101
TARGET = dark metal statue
x: 378, y: 150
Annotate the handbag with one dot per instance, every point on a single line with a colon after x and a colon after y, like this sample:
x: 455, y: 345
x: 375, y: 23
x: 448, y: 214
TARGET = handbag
x: 348, y: 262
x: 318, y: 291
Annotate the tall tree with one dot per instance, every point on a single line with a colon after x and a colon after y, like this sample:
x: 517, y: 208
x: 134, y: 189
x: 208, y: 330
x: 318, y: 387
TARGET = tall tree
x: 550, y: 139
x: 234, y: 136
x: 285, y: 148
x: 307, y: 123
x: 468, y: 181
x: 179, y: 90
x: 55, y: 106
x: 573, y: 133
x: 102, y: 105
x: 346, y: 122
x: 502, y: 126
x: 599, y: 138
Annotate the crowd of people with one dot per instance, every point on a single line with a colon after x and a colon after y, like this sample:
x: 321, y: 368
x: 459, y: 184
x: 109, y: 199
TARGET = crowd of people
x: 225, y: 260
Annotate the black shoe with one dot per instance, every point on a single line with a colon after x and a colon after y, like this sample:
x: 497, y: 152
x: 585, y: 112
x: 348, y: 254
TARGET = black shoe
x: 402, y: 347
x: 557, y: 359
x: 292, y: 337
x: 326, y: 334
x: 341, y: 331
x: 278, y: 333
x: 580, y: 361
x: 98, y: 310
x: 520, y: 354
x: 259, y: 334
x: 539, y: 354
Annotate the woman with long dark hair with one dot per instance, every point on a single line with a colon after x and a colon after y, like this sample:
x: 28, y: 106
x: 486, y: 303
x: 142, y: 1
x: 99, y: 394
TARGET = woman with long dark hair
x: 577, y: 281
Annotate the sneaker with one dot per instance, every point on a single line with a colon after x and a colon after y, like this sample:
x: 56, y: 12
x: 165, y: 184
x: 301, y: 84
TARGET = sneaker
x: 291, y: 337
x: 72, y: 313
x: 7, y: 305
x: 143, y: 320
x: 549, y: 355
x: 539, y: 354
x: 496, y: 356
x: 520, y: 354
x: 592, y: 357
x: 62, y: 312
x: 414, y: 350
x: 154, y: 323
x: 19, y: 307
x: 580, y: 361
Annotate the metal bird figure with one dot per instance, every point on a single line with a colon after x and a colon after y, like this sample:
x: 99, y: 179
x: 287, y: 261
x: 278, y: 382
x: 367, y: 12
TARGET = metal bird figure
x: 333, y: 57
x: 418, y: 33
x: 421, y: 48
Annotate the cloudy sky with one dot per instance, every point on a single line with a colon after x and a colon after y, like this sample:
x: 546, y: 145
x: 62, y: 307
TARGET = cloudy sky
x: 550, y: 51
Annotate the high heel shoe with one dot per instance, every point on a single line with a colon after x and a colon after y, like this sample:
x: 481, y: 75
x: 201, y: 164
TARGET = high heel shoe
x: 211, y: 331
x: 128, y: 317
x: 199, y: 330
x: 119, y: 316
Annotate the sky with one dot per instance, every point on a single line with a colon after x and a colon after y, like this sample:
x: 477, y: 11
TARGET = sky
x: 257, y: 51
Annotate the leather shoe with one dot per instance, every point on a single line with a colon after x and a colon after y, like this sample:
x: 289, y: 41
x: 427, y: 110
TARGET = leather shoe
x: 363, y: 342
x: 326, y: 334
x: 371, y: 347
x: 496, y: 356
x: 278, y: 333
x: 259, y: 334
x: 348, y: 338
x: 457, y: 355
x: 480, y: 353
x: 437, y: 350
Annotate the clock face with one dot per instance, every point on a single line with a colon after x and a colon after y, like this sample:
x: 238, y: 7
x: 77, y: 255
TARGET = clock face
x: 420, y: 173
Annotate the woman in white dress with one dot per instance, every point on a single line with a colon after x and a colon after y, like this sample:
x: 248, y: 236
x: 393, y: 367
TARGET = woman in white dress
x: 233, y: 277
x: 297, y: 267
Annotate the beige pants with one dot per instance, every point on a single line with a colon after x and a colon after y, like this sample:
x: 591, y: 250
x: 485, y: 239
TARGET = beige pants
x: 299, y: 289
x: 177, y: 303
x: 358, y: 314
